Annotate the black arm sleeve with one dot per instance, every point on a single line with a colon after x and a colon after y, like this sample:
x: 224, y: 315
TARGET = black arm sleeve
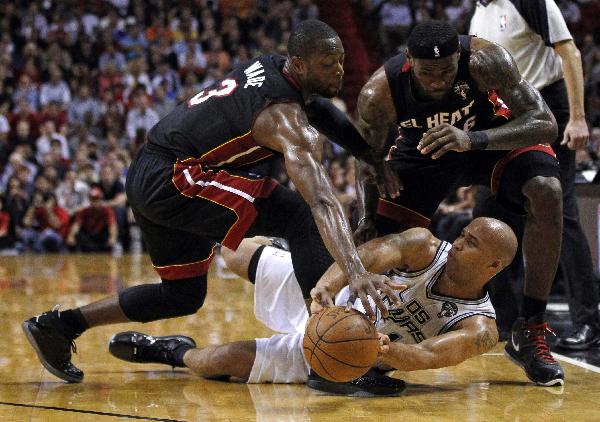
x: 334, y: 124
x: 535, y: 14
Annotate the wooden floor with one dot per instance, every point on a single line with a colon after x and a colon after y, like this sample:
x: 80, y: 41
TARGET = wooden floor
x: 488, y: 388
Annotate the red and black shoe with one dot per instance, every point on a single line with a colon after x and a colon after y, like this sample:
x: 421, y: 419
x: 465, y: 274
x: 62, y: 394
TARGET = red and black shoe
x: 528, y: 348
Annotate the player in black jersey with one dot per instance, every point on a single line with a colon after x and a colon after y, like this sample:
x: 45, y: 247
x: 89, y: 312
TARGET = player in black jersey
x: 464, y: 115
x: 197, y: 182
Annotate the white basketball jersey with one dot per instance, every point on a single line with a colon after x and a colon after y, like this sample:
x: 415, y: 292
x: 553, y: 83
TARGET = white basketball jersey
x: 424, y: 314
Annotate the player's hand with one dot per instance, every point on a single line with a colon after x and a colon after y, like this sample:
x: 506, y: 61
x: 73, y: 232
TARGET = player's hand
x: 365, y: 231
x: 576, y: 134
x: 389, y: 183
x: 443, y: 138
x: 368, y: 284
x: 320, y: 299
x: 384, y: 344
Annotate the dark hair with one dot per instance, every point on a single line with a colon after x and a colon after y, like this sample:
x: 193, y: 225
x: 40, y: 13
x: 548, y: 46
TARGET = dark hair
x: 432, y: 40
x: 303, y: 41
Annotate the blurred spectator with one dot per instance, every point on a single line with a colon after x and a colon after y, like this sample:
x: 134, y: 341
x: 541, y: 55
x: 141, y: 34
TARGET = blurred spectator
x: 84, y: 109
x: 55, y: 90
x: 72, y: 193
x: 113, y: 191
x: 94, y: 228
x: 162, y: 103
x: 141, y: 115
x: 48, y: 134
x: 45, y: 224
x: 26, y: 90
x: 396, y: 20
x: 7, y: 240
x: 112, y: 58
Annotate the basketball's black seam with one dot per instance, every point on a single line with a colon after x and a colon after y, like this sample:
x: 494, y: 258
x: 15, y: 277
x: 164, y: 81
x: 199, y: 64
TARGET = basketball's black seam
x: 345, y: 341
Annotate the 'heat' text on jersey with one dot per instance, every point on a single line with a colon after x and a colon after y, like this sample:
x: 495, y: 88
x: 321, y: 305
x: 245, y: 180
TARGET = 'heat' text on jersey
x: 443, y: 117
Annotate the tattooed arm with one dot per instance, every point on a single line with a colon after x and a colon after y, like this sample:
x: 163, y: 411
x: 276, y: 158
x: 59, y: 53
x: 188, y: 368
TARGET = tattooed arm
x: 376, y: 113
x: 532, y: 122
x: 471, y: 337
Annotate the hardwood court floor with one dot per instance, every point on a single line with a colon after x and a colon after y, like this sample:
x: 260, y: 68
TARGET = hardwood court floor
x: 487, y: 388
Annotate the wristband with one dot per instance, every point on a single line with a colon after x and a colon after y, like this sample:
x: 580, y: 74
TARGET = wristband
x: 479, y: 140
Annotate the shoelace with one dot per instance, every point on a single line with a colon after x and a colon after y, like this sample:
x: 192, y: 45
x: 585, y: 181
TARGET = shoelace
x: 537, y: 334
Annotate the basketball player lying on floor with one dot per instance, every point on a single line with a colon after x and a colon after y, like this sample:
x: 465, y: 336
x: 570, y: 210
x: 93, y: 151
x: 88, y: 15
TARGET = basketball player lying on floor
x: 446, y: 315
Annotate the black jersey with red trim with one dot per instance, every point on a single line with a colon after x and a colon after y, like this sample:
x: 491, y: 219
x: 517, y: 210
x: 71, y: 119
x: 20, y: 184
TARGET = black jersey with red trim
x: 215, y: 125
x: 464, y: 106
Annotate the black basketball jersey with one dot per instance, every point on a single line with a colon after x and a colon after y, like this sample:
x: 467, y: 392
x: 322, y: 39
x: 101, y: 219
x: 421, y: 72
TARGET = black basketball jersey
x: 464, y: 106
x: 215, y: 125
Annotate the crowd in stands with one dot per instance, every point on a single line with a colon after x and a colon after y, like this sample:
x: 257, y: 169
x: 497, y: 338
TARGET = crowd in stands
x: 81, y: 83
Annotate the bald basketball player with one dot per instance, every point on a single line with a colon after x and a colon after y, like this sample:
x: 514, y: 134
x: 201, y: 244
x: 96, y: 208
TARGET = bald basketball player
x: 446, y: 316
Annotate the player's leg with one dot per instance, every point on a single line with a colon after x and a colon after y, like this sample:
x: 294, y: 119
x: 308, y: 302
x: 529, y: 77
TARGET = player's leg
x: 182, y: 261
x: 239, y: 260
x: 277, y: 359
x: 529, y: 183
x: 285, y: 214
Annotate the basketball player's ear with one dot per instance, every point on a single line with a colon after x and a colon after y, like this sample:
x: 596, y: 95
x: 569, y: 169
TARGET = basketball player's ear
x: 497, y: 265
x: 298, y: 65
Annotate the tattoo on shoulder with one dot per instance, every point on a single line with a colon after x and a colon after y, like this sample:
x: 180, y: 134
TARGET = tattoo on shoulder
x: 493, y: 67
x: 484, y: 341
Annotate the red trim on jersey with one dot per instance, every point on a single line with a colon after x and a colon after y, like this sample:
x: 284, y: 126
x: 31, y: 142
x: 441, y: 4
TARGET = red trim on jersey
x: 181, y: 271
x: 243, y: 148
x: 503, y: 162
x: 406, y: 66
x: 233, y: 192
x: 401, y: 214
x: 500, y: 109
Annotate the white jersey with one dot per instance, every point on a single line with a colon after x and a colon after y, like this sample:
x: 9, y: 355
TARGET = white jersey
x: 424, y: 314
x: 279, y: 305
x: 528, y: 30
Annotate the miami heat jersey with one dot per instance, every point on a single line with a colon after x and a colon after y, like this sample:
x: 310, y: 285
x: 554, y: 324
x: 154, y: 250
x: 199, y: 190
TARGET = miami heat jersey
x: 423, y: 314
x: 215, y: 125
x: 464, y: 106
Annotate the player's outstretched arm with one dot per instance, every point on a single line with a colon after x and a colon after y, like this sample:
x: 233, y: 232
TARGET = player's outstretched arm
x: 532, y: 122
x: 412, y: 249
x: 471, y: 337
x: 285, y: 128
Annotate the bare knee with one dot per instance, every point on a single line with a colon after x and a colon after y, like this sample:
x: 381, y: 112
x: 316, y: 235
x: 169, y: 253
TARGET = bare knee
x: 237, y: 261
x: 544, y: 198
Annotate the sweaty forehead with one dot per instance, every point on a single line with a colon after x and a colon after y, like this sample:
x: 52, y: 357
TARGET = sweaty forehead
x: 329, y: 46
x: 435, y: 63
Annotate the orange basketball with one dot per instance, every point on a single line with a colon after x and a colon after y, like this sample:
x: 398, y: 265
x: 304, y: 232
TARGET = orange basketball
x: 340, y: 345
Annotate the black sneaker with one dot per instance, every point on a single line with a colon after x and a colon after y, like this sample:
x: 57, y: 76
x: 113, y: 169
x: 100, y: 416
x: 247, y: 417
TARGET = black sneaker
x: 527, y: 347
x: 373, y: 384
x: 582, y: 337
x: 143, y: 348
x: 53, y: 344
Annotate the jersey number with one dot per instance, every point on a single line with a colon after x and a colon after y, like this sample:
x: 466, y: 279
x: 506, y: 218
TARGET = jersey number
x: 226, y: 88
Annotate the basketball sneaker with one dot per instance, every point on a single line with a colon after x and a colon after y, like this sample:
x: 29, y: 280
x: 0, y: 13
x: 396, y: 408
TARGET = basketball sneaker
x: 137, y: 347
x: 528, y: 348
x: 53, y: 342
x: 373, y: 384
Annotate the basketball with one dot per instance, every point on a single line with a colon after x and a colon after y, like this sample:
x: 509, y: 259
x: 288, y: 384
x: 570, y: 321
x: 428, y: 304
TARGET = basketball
x: 340, y: 345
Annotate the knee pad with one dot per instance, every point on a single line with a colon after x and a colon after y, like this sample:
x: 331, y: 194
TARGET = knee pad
x: 169, y: 299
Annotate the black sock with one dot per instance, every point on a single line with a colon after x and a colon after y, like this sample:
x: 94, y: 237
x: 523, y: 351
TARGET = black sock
x: 178, y: 354
x: 533, y: 308
x: 75, y: 321
x: 253, y: 265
